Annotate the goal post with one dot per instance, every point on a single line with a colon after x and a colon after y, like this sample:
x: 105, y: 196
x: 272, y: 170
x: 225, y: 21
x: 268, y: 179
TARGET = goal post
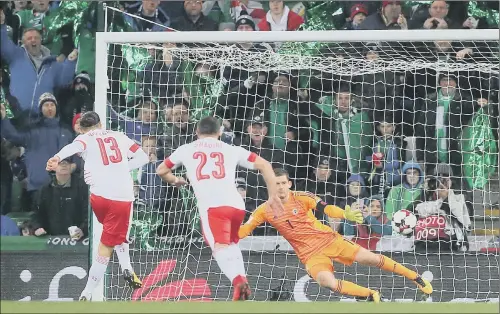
x: 188, y: 272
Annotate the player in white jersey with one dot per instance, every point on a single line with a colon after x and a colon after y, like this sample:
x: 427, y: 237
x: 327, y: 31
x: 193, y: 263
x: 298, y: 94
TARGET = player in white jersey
x: 109, y: 157
x: 211, y: 169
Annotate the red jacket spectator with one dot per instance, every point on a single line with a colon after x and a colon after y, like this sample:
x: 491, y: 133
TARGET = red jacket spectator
x: 277, y: 8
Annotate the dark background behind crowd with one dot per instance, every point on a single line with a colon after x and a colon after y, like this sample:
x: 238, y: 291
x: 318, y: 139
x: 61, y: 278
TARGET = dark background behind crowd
x: 370, y: 140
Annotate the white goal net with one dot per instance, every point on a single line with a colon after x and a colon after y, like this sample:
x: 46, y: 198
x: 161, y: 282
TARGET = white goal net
x: 370, y: 120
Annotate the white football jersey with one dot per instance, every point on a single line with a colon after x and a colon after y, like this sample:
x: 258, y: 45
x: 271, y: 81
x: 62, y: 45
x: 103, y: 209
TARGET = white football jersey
x: 106, y: 155
x: 211, y: 169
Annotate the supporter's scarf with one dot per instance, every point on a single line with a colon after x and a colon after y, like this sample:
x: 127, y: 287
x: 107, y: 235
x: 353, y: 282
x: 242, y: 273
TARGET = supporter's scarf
x: 277, y: 120
x: 441, y: 113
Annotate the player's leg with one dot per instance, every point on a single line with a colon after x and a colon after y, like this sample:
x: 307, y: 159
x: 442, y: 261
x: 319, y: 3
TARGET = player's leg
x: 104, y: 252
x: 320, y: 268
x: 241, y: 287
x: 216, y: 224
x: 120, y: 217
x: 369, y: 258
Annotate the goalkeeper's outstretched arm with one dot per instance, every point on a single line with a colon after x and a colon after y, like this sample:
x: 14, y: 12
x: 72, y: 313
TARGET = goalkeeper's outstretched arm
x: 257, y: 218
x: 333, y: 211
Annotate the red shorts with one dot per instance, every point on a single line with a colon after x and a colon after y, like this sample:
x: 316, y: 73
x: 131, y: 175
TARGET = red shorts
x: 221, y: 224
x: 115, y: 219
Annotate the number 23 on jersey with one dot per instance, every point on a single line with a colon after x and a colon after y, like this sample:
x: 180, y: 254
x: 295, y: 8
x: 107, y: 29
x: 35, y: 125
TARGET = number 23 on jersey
x: 218, y: 173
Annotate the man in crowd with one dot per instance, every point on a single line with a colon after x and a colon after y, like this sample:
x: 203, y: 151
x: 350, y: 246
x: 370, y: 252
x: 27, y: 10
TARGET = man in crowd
x: 33, y: 69
x: 41, y: 141
x: 193, y: 19
x: 390, y: 16
x: 62, y: 203
x: 152, y: 18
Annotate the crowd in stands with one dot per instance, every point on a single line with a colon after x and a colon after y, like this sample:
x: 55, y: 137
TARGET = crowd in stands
x: 345, y: 138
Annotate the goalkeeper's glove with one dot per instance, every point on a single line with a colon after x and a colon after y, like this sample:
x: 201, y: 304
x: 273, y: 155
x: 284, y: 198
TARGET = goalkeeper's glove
x: 353, y: 215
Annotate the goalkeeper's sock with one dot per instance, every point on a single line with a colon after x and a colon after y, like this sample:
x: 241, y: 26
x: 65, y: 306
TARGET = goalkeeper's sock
x: 391, y: 265
x: 225, y: 260
x: 122, y: 251
x: 238, y: 263
x: 350, y: 288
x: 96, y: 273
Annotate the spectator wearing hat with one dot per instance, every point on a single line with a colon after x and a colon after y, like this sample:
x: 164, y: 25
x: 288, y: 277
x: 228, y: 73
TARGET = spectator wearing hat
x: 62, y: 203
x: 33, y: 69
x: 280, y: 18
x: 358, y: 14
x: 41, y: 141
x: 439, y: 125
x: 251, y: 7
x: 390, y: 16
x: 81, y: 99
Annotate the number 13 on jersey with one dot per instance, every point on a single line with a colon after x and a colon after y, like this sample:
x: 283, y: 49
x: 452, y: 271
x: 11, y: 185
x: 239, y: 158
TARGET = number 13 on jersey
x: 218, y: 173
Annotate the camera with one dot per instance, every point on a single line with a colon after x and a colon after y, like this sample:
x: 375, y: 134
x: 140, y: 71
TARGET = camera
x: 435, y: 24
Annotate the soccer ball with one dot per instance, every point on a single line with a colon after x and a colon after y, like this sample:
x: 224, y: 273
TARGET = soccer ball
x: 403, y: 222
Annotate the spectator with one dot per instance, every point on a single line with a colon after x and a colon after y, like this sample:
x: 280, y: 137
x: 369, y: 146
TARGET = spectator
x: 253, y: 8
x: 480, y: 150
x: 353, y: 136
x: 389, y: 17
x: 9, y: 153
x: 8, y: 227
x: 358, y: 15
x: 440, y: 123
x: 62, y: 203
x: 27, y: 229
x: 193, y: 19
x: 75, y: 123
x: 375, y: 224
x: 81, y: 99
x: 33, y: 70
x: 280, y: 18
x: 41, y: 141
x: 226, y: 27
x: 163, y: 76
x: 403, y: 195
x: 448, y: 233
x: 179, y: 130
x: 150, y: 18
x: 151, y: 187
x: 385, y: 157
x: 436, y: 17
x: 143, y: 123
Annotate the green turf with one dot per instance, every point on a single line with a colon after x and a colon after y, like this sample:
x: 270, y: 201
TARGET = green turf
x: 243, y: 307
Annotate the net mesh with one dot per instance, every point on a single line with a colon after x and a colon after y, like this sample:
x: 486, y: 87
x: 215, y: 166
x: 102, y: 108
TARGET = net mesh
x: 323, y: 111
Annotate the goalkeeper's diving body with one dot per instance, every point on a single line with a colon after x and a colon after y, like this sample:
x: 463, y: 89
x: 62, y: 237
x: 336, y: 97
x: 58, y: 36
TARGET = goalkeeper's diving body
x: 317, y: 245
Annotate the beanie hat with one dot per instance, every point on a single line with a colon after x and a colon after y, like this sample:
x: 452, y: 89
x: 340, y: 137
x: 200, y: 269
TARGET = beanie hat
x: 245, y: 19
x: 358, y: 8
x: 75, y: 118
x: 46, y: 97
x: 386, y: 3
x: 82, y: 78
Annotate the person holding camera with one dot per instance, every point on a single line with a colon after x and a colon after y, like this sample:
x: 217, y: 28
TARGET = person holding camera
x: 443, y: 218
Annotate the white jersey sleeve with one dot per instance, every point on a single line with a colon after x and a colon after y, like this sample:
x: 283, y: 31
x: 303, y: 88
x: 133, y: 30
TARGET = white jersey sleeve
x: 175, y: 160
x: 245, y: 158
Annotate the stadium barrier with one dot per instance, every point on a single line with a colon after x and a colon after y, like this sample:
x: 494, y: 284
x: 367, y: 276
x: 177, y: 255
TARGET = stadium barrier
x: 55, y: 269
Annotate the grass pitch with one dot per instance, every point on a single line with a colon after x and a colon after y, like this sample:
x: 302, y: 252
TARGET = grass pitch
x: 243, y: 307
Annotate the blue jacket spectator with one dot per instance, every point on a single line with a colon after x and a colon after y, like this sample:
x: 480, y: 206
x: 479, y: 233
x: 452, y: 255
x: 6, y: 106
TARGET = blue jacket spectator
x: 151, y: 15
x: 144, y: 124
x: 8, y: 227
x: 33, y: 70
x: 375, y: 221
x: 41, y: 141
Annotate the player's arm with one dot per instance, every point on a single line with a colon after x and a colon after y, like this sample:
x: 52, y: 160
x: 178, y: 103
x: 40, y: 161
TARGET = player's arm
x: 332, y: 211
x: 251, y: 160
x: 164, y: 170
x: 257, y: 218
x: 137, y: 157
x: 78, y: 146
